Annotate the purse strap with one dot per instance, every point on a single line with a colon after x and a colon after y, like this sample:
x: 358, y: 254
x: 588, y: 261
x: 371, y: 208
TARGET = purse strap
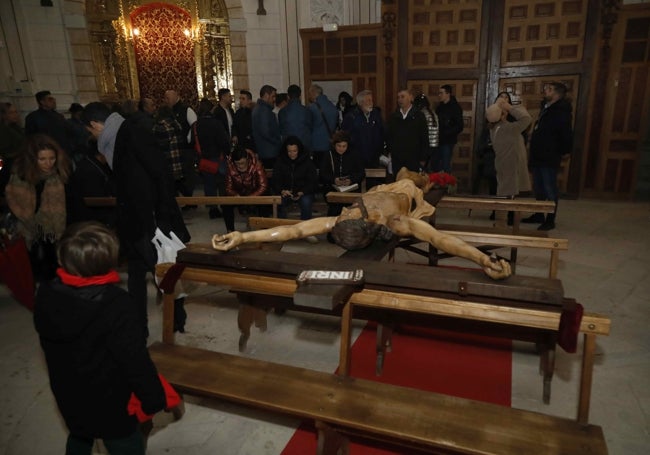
x: 197, y: 145
x: 322, y: 114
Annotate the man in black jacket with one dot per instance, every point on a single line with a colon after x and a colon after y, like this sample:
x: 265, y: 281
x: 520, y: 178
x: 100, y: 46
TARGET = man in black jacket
x: 552, y: 138
x: 407, y: 136
x: 450, y: 121
x: 143, y: 184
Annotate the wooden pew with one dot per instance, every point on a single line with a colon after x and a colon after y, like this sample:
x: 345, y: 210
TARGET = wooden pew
x: 202, y: 200
x: 242, y: 271
x: 373, y: 173
x: 343, y: 406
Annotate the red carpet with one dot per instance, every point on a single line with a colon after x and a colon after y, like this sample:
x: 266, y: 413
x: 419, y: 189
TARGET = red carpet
x: 468, y: 366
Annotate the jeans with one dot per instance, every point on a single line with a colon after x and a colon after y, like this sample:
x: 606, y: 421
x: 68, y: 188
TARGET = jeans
x: 545, y: 183
x: 130, y: 445
x: 213, y: 185
x: 445, y: 152
x: 305, y: 203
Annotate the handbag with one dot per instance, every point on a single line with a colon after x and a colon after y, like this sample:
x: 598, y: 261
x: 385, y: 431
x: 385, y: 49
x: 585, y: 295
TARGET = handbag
x: 207, y: 166
x: 204, y: 165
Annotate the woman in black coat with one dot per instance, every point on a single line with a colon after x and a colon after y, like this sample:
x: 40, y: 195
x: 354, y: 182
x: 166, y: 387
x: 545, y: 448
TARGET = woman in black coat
x: 295, y: 178
x: 341, y: 167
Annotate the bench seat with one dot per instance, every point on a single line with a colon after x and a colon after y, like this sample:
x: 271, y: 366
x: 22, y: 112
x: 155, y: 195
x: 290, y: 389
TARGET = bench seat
x: 399, y: 415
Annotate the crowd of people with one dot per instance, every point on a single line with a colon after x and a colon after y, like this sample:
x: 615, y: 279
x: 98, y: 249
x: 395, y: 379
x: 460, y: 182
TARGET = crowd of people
x: 145, y: 154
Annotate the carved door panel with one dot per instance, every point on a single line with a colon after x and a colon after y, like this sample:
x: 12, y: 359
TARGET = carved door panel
x: 626, y: 107
x: 353, y: 53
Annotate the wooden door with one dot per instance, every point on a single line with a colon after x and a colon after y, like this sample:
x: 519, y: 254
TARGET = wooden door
x: 351, y: 53
x: 625, y: 103
x: 483, y: 47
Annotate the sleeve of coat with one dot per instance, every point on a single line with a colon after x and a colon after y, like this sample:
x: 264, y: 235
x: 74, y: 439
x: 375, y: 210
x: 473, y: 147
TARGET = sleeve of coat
x: 263, y: 182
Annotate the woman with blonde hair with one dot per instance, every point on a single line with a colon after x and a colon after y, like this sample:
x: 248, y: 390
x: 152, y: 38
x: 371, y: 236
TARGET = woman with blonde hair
x: 36, y: 196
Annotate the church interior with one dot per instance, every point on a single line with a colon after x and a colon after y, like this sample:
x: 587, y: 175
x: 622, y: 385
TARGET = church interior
x: 117, y: 50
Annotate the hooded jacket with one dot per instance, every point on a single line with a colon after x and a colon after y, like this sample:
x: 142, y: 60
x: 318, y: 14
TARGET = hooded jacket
x: 96, y: 356
x: 552, y: 135
x: 251, y: 182
x: 299, y: 175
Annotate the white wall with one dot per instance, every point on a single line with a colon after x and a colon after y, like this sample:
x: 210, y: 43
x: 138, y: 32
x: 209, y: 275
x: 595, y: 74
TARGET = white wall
x: 273, y: 41
x: 39, y: 54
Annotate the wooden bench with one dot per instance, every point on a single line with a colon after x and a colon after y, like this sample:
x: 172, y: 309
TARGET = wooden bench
x: 201, y: 200
x: 343, y: 406
x: 373, y: 173
x: 243, y: 270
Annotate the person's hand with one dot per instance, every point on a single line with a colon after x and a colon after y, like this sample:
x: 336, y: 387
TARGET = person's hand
x: 228, y: 241
x: 286, y: 193
x: 298, y: 195
x: 497, y: 270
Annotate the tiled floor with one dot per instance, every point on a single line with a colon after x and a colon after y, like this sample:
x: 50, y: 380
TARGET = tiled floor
x: 606, y: 269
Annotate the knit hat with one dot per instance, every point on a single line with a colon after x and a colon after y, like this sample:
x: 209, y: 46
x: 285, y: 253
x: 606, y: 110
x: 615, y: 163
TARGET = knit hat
x: 493, y: 113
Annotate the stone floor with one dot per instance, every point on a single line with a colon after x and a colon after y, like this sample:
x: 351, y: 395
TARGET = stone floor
x: 606, y: 269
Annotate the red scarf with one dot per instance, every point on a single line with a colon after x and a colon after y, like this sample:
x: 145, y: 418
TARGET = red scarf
x: 80, y: 281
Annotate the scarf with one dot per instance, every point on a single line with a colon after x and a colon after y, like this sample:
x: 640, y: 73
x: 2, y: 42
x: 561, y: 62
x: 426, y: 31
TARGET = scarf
x: 80, y: 281
x: 106, y: 140
x: 48, y: 222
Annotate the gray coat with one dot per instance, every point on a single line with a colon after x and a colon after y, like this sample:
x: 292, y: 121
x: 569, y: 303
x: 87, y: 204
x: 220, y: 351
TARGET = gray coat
x: 510, y: 153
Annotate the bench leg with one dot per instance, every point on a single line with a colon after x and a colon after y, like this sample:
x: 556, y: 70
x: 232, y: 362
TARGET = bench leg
x: 588, y: 354
x: 168, y: 318
x: 330, y: 441
x: 383, y: 344
x: 248, y: 315
x: 548, y: 359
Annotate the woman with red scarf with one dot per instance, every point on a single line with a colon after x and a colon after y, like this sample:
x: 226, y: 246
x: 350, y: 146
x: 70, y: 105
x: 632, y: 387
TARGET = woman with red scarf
x: 94, y: 345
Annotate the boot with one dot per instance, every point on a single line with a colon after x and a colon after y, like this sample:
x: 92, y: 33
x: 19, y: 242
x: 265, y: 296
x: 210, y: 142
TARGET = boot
x: 548, y: 224
x: 534, y: 218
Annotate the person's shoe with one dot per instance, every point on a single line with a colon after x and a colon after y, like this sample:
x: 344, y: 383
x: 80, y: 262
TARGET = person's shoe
x: 215, y: 213
x: 546, y: 226
x: 312, y: 239
x: 535, y: 218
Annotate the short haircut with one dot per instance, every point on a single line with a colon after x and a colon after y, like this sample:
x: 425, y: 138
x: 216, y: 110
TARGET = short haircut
x: 281, y: 98
x: 88, y: 249
x: 205, y: 107
x: 362, y: 94
x: 238, y: 153
x: 559, y: 88
x: 95, y: 112
x: 246, y: 93
x: 293, y: 140
x: 294, y: 91
x: 223, y: 91
x: 340, y: 136
x: 447, y: 88
x: 316, y: 89
x: 267, y: 90
x: 142, y: 103
x: 40, y: 96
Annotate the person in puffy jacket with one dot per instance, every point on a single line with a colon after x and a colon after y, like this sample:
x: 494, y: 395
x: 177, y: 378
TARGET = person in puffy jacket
x: 295, y: 178
x: 95, y: 345
x: 245, y: 177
